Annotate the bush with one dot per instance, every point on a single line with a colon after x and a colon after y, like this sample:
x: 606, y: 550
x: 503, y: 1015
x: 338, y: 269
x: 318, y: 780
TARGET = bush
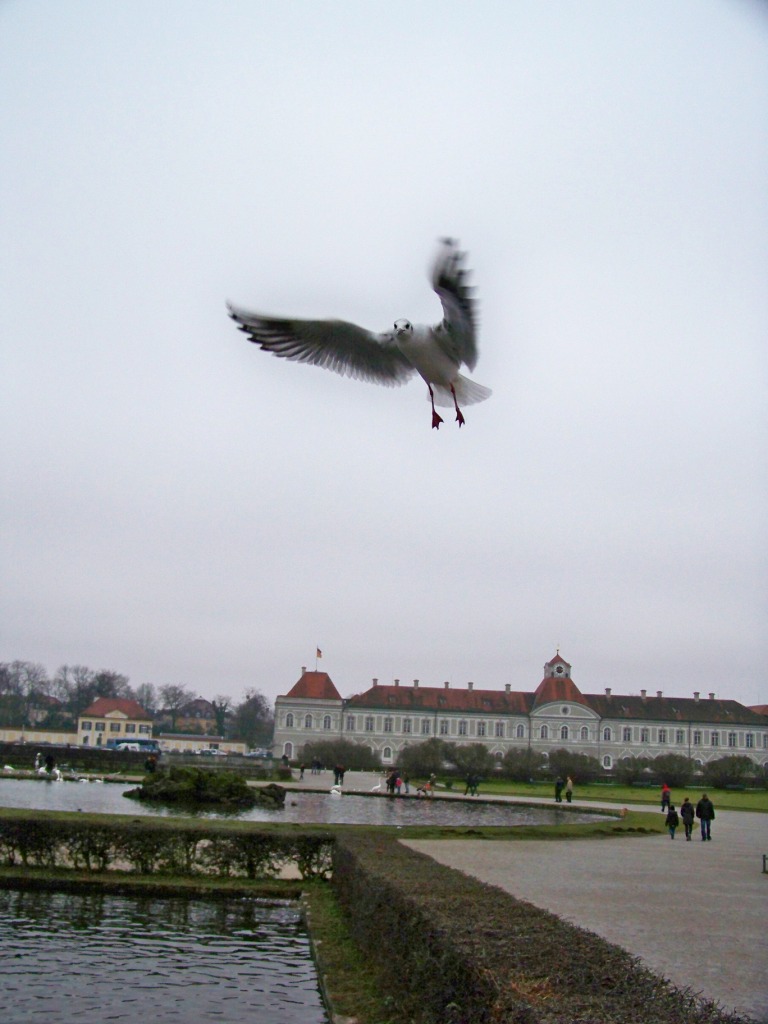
x: 674, y: 769
x: 471, y: 759
x: 150, y: 847
x: 423, y: 759
x: 580, y: 767
x: 733, y: 770
x: 191, y: 786
x: 522, y: 765
x: 354, y: 756
x: 631, y: 770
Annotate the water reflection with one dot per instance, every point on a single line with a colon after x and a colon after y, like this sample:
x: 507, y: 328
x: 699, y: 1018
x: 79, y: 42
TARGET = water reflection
x: 301, y: 808
x: 93, y: 958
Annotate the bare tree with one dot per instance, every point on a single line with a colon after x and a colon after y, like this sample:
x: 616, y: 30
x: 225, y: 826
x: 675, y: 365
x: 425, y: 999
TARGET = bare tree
x: 146, y: 695
x: 173, y: 697
x: 253, y: 720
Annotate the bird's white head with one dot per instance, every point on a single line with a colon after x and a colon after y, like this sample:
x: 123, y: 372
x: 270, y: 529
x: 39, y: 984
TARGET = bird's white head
x: 403, y: 328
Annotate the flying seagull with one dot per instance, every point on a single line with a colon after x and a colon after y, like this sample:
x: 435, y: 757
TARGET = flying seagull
x: 435, y: 353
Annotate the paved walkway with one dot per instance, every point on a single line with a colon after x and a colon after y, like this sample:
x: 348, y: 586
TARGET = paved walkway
x: 696, y: 912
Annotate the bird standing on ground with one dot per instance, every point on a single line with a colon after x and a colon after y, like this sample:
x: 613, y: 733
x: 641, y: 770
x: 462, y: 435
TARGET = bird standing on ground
x: 435, y: 353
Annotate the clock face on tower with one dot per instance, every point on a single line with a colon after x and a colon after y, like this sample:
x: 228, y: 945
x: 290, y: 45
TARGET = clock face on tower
x: 559, y: 670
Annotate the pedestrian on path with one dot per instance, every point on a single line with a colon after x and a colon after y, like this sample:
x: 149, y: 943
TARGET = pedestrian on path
x: 666, y: 797
x: 705, y: 812
x: 559, y: 790
x: 569, y: 789
x: 687, y: 814
x: 672, y: 820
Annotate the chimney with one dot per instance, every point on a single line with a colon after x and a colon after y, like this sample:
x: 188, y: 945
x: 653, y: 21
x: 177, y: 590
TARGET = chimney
x: 446, y: 684
x: 711, y: 696
x: 303, y: 669
x: 397, y: 682
x: 643, y: 694
x: 470, y: 686
x: 375, y: 682
x: 415, y: 684
x: 659, y: 694
x: 508, y: 687
x: 696, y: 696
x: 607, y: 691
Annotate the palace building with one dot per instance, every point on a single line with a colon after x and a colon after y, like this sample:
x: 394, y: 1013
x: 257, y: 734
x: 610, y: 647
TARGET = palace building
x: 609, y: 726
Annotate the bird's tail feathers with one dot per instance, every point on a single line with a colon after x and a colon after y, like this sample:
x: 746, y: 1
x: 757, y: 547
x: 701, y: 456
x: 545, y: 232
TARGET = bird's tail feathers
x: 468, y: 392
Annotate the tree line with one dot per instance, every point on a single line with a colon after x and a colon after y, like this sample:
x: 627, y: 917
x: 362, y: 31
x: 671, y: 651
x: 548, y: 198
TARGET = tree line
x: 29, y: 696
x: 438, y: 757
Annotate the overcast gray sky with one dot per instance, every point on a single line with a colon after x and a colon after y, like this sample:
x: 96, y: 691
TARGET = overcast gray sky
x: 183, y: 508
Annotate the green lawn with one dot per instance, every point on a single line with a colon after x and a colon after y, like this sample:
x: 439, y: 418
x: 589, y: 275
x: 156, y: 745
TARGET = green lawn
x: 723, y: 799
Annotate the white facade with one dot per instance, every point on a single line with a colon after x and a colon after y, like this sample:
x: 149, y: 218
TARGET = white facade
x: 606, y: 726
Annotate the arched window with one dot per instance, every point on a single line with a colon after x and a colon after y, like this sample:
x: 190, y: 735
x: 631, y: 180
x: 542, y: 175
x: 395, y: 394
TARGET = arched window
x: 307, y: 721
x: 288, y: 749
x: 386, y: 754
x: 289, y: 721
x: 327, y: 722
x: 584, y: 732
x: 544, y: 732
x: 607, y: 735
x: 564, y: 732
x: 607, y: 761
x: 521, y: 731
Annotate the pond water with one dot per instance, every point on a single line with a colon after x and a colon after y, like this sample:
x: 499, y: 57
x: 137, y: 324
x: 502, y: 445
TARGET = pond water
x: 91, y: 958
x: 300, y: 807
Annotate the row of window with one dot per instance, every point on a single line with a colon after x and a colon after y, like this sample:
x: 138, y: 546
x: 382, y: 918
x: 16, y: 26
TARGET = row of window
x: 127, y: 727
x: 565, y: 732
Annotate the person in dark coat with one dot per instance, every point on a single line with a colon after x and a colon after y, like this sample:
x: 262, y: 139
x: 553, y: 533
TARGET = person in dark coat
x: 687, y: 815
x: 559, y: 790
x: 705, y: 812
x: 672, y: 820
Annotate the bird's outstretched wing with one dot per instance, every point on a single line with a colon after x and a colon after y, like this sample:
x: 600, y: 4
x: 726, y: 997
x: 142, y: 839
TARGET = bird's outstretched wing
x: 456, y: 334
x: 335, y: 345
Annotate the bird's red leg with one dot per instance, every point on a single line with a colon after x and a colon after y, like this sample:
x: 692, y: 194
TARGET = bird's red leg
x: 459, y: 417
x: 436, y: 418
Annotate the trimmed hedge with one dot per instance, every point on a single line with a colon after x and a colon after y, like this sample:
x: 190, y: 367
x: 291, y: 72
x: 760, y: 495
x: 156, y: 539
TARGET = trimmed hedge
x: 149, y: 847
x: 457, y: 951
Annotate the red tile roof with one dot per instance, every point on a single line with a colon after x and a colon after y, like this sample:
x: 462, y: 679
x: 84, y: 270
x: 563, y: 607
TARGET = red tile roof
x: 553, y: 689
x: 673, y: 709
x: 435, y: 698
x: 315, y: 686
x: 103, y: 706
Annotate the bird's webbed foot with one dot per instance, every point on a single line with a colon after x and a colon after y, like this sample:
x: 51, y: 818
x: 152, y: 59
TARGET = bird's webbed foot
x: 459, y: 415
x: 437, y: 419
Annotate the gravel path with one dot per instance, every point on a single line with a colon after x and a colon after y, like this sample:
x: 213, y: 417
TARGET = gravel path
x: 695, y: 912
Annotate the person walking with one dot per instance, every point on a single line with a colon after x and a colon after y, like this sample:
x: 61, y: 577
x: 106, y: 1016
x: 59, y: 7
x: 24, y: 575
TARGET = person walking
x: 705, y: 812
x: 687, y: 815
x: 672, y: 820
x: 666, y: 797
x: 569, y: 789
x: 559, y: 790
